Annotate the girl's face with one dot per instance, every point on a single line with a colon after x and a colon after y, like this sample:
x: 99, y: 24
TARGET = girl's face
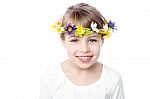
x: 83, y: 51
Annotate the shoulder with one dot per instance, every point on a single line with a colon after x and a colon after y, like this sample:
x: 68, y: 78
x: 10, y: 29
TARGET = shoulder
x: 51, y: 76
x: 111, y: 76
x: 113, y: 82
x: 110, y: 72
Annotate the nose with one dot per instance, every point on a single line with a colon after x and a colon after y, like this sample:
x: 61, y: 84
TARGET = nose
x: 84, y: 47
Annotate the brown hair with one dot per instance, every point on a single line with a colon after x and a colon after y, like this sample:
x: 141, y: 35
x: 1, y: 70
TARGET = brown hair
x: 82, y: 14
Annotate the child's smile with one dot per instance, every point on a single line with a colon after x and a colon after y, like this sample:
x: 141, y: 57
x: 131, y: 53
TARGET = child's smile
x: 83, y: 51
x: 84, y: 58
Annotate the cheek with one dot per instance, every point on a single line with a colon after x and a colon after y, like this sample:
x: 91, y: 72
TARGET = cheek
x: 71, y: 50
x: 95, y: 49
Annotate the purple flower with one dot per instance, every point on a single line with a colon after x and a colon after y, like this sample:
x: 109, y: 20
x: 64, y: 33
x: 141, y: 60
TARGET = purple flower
x: 112, y: 25
x: 70, y: 28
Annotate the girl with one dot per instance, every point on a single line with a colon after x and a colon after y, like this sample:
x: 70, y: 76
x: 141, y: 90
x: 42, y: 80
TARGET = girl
x: 82, y: 31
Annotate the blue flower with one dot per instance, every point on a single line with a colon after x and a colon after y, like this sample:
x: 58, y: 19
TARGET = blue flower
x: 112, y: 25
x: 70, y: 28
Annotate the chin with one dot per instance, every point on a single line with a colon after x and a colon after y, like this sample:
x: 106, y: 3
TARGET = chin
x: 84, y: 65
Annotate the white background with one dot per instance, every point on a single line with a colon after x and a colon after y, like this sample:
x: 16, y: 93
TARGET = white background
x: 27, y: 44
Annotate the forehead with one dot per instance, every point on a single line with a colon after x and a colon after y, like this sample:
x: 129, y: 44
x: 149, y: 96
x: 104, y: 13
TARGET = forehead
x: 84, y: 36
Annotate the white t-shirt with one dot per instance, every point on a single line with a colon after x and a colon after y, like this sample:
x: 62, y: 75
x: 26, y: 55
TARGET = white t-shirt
x: 55, y: 85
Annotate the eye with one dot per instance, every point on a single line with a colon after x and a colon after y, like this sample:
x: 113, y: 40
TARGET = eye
x: 74, y: 40
x: 92, y: 40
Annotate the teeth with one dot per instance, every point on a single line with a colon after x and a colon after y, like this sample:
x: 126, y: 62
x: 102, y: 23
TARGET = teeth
x: 84, y: 58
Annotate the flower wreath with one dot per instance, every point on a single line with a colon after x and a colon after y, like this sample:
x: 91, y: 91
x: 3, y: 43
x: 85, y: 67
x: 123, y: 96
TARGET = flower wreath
x: 80, y: 30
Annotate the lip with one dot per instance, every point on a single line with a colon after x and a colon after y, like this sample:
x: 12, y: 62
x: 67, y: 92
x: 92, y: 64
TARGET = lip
x: 84, y: 58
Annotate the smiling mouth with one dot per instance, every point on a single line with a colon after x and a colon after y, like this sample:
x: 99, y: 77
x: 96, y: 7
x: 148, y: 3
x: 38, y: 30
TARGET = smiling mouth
x: 84, y: 58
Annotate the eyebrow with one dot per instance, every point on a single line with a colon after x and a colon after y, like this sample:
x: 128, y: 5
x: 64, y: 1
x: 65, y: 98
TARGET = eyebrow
x: 73, y: 36
x: 78, y: 37
x: 94, y: 36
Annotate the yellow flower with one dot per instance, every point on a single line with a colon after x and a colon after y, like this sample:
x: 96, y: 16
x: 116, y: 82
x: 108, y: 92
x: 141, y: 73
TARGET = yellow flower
x: 107, y: 35
x: 88, y: 31
x: 79, y: 31
x: 107, y: 21
x: 53, y: 26
x: 58, y: 23
x: 106, y: 32
x: 103, y: 31
x: 57, y: 27
x: 59, y: 30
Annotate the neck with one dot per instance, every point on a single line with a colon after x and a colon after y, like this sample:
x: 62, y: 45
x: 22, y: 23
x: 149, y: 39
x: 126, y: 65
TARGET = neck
x: 81, y: 76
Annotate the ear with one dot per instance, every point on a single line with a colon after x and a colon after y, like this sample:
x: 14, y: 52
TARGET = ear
x: 102, y: 42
